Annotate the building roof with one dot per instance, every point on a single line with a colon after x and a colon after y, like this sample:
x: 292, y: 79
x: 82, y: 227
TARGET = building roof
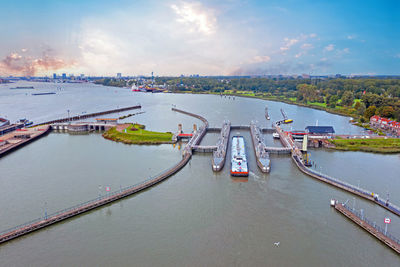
x: 320, y: 129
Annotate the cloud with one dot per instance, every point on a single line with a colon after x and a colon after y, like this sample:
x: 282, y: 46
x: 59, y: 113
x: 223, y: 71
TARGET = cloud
x: 351, y: 37
x: 196, y: 17
x: 329, y: 47
x: 16, y: 64
x: 288, y: 43
x: 313, y: 35
x: 260, y: 59
x: 397, y: 56
x: 307, y: 46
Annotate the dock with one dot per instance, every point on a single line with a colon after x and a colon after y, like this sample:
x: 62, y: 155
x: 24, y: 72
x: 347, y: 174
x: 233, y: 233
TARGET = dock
x: 262, y: 155
x: 219, y: 156
x: 81, y: 208
x: 21, y: 137
x: 369, y: 226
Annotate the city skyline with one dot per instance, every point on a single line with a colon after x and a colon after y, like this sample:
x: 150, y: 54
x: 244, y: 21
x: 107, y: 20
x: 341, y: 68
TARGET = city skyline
x: 199, y: 37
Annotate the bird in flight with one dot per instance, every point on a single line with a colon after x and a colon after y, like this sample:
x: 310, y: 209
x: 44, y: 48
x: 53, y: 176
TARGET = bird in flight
x: 277, y: 244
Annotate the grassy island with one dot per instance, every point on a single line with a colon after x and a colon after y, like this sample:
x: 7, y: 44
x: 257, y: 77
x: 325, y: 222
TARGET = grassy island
x: 136, y: 134
x: 377, y: 145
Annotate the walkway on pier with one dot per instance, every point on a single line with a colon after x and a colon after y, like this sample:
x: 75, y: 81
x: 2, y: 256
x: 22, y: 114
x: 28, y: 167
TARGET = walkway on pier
x: 297, y: 157
x: 85, y: 116
x: 369, y: 226
x: 39, y: 223
x: 278, y: 150
x: 204, y: 148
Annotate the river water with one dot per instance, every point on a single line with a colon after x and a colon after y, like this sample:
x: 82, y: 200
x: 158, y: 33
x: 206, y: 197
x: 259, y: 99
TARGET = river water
x: 196, y: 217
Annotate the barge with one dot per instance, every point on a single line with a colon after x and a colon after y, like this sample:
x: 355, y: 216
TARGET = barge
x: 239, y: 165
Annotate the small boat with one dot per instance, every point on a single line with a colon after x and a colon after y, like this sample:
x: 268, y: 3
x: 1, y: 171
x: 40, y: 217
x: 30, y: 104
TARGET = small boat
x: 26, y: 122
x: 23, y: 87
x: 49, y: 93
x: 275, y: 135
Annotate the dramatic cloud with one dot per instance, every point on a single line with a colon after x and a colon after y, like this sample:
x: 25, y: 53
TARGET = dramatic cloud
x: 16, y: 64
x: 196, y: 17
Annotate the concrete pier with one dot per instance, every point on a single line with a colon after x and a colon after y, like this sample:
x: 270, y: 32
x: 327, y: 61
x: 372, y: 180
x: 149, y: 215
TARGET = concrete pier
x: 85, y: 116
x: 262, y: 155
x: 219, y: 156
x: 386, y: 238
x: 21, y: 137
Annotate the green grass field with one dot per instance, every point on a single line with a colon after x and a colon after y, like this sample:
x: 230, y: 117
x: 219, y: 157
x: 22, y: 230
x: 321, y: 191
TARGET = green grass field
x: 138, y: 136
x: 381, y: 145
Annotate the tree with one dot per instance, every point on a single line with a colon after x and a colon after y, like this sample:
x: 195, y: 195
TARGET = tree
x: 360, y: 108
x: 369, y: 112
x: 386, y: 111
x: 348, y: 98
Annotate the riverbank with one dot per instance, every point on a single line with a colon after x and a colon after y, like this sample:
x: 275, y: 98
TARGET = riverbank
x: 320, y: 106
x: 136, y: 134
x: 376, y: 145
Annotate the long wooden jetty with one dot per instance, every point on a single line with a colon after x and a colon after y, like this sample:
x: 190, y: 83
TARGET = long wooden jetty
x: 297, y: 157
x: 85, y: 116
x: 40, y: 223
x: 378, y: 232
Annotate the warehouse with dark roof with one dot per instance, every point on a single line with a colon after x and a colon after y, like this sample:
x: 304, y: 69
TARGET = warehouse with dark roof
x: 320, y: 130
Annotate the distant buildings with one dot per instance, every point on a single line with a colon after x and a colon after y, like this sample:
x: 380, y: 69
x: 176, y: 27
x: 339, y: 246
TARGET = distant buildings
x: 385, y: 124
x: 119, y: 75
x: 64, y: 76
x: 54, y: 76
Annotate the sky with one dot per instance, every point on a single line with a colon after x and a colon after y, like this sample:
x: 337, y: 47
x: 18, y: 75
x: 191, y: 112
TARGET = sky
x: 224, y: 37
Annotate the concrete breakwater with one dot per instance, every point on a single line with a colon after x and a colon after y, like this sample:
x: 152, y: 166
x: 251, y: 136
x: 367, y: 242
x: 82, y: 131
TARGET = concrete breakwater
x: 260, y: 150
x: 219, y: 156
x: 85, y: 116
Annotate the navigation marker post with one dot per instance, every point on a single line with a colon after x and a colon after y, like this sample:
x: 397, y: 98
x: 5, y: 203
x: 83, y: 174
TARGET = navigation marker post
x: 387, y: 221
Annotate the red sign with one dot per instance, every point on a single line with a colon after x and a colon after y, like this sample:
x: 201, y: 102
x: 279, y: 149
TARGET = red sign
x: 108, y: 188
x: 387, y: 220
